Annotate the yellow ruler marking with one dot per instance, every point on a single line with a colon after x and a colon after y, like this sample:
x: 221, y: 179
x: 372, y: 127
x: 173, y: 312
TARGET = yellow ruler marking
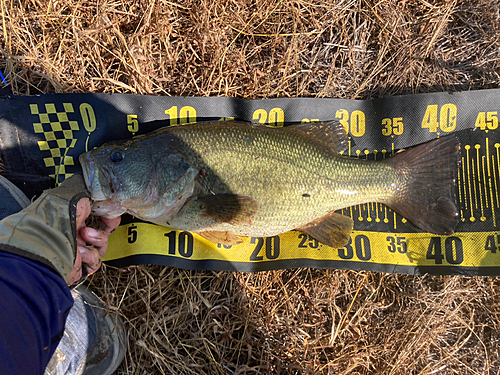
x: 474, y: 185
x: 369, y: 208
x: 460, y: 194
x: 490, y: 187
x: 497, y: 146
x: 377, y: 218
x: 467, y: 148
x: 495, y: 179
x: 493, y: 215
x: 485, y: 182
x: 360, y: 207
x: 386, y: 209
x: 488, y: 156
x: 466, y: 200
x: 470, y: 249
x: 479, y: 184
x: 360, y: 217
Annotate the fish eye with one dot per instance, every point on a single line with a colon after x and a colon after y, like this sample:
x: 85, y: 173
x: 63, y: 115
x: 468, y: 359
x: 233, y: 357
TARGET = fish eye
x: 116, y: 156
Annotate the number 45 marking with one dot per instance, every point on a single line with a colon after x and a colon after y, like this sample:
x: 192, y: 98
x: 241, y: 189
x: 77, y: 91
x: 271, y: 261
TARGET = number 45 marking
x: 491, y: 244
x: 487, y: 121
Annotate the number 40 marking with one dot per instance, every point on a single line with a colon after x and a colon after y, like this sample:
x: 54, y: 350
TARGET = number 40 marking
x: 453, y: 247
x: 447, y: 118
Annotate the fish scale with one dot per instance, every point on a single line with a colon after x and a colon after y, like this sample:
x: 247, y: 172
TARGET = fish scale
x: 228, y: 179
x: 277, y: 170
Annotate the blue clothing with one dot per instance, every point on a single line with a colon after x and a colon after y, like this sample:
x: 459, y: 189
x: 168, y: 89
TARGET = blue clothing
x: 34, y: 303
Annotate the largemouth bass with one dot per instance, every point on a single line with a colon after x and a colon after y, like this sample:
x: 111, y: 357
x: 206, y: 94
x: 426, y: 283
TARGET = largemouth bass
x: 228, y: 179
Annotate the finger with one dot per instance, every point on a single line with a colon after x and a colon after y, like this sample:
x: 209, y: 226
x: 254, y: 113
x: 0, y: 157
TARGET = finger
x: 76, y: 272
x: 82, y: 212
x: 91, y: 258
x: 111, y: 224
x: 91, y: 235
x: 95, y: 237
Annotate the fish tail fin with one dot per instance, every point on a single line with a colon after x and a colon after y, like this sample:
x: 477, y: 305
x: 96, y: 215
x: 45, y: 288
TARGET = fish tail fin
x: 426, y: 194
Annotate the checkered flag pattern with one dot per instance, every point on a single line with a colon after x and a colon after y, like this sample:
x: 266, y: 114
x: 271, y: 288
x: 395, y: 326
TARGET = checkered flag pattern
x: 58, y: 132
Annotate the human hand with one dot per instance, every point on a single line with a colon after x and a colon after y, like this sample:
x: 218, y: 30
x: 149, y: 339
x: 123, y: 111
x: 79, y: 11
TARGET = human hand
x: 92, y: 243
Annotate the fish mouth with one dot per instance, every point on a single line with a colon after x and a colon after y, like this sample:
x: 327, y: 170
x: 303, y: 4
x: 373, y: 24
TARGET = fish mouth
x: 91, y: 178
x: 88, y: 170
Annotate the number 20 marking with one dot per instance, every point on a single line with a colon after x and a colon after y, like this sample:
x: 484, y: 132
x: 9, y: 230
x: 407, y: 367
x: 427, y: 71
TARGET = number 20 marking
x: 276, y: 116
x: 272, y: 248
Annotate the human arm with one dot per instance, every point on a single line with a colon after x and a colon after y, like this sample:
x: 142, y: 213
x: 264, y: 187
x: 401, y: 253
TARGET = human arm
x: 41, y: 251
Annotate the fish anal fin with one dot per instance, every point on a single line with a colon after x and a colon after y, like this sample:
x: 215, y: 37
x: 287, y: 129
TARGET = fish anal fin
x: 330, y: 134
x: 224, y: 238
x: 229, y: 208
x: 333, y: 230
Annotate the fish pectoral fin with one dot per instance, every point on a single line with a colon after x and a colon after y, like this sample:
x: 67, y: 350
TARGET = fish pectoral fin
x: 224, y: 238
x: 333, y: 230
x: 229, y: 208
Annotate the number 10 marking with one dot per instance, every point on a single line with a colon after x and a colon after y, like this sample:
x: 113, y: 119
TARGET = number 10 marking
x: 186, y: 115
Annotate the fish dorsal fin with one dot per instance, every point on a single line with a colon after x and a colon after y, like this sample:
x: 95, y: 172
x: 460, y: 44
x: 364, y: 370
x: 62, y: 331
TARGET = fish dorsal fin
x: 333, y: 229
x: 331, y: 134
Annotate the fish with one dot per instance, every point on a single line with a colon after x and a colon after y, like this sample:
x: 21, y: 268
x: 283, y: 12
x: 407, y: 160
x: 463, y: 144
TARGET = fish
x: 233, y: 179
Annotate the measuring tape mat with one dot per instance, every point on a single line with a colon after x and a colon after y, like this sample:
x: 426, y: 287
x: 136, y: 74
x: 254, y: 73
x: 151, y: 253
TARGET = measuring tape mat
x: 42, y: 137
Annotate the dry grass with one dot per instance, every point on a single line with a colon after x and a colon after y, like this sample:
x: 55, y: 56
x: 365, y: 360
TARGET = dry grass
x: 304, y: 321
x: 284, y: 322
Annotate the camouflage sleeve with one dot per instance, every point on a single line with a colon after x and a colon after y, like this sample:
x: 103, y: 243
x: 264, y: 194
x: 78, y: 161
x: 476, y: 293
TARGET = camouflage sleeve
x: 45, y: 231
